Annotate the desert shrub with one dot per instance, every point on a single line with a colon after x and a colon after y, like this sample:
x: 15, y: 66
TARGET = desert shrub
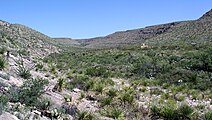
x: 89, y: 85
x: 181, y: 98
x: 113, y: 112
x: 127, y: 96
x: 79, y: 81
x: 98, y: 71
x: 185, y: 111
x: 171, y: 112
x: 99, y: 87
x: 82, y: 95
x: 3, y: 103
x: 201, y: 60
x: 107, y: 82
x: 43, y: 103
x: 105, y: 101
x: 39, y: 66
x: 24, y: 52
x: 112, y: 92
x: 23, y: 72
x: 85, y: 116
x: 208, y: 115
x: 61, y: 84
x: 2, y: 50
x: 2, y: 63
x: 168, y: 112
x: 4, y: 99
x: 28, y: 93
x: 53, y: 69
x: 165, y: 96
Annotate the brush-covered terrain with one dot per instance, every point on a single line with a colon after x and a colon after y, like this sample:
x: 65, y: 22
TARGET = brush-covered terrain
x: 161, y: 72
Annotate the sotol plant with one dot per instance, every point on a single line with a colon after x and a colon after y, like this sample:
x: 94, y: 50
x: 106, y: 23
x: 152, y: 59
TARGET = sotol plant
x: 23, y: 72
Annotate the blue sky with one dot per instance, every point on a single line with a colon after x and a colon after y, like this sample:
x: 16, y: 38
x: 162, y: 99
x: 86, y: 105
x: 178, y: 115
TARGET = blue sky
x: 92, y: 18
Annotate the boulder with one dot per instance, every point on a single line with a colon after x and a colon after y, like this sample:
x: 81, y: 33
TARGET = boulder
x: 8, y: 116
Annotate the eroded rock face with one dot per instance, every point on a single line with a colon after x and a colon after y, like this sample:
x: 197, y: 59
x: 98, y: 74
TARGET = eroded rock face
x: 8, y: 116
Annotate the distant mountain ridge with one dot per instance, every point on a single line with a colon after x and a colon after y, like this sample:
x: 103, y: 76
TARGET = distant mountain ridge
x: 22, y: 37
x: 192, y: 30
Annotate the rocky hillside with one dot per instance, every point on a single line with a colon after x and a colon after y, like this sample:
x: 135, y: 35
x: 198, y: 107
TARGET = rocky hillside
x: 191, y: 31
x: 20, y: 38
x: 128, y: 37
x: 197, y: 31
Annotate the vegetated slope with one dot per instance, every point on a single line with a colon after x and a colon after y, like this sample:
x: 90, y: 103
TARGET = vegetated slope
x: 22, y: 38
x: 128, y: 37
x: 150, y: 82
x: 194, y: 30
x: 66, y: 42
x: 197, y: 31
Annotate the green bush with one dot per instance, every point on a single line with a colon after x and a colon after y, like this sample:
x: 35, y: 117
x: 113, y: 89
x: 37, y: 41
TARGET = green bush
x: 107, y: 82
x: 2, y: 50
x: 185, y: 111
x: 89, y: 85
x: 82, y: 95
x: 78, y: 81
x: 39, y: 66
x: 23, y: 72
x: 28, y: 93
x: 24, y: 52
x: 2, y: 63
x: 106, y: 101
x: 127, y: 96
x: 85, y: 116
x: 208, y: 115
x: 53, y: 69
x: 61, y: 84
x: 3, y: 102
x: 98, y: 71
x: 112, y: 92
x: 43, y: 103
x: 169, y: 111
x: 4, y: 99
x: 113, y: 112
x: 99, y: 87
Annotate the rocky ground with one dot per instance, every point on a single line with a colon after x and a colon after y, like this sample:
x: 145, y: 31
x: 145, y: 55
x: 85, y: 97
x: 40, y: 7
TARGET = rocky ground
x: 9, y: 77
